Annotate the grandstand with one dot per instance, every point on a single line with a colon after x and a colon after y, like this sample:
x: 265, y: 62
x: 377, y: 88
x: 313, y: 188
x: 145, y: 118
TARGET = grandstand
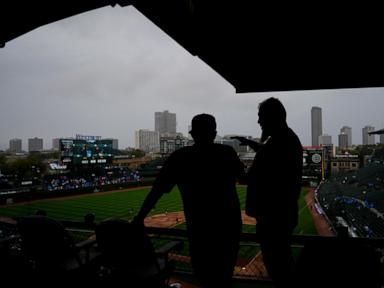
x: 151, y: 168
x: 7, y: 229
x: 74, y: 182
x: 355, y: 200
x: 228, y: 47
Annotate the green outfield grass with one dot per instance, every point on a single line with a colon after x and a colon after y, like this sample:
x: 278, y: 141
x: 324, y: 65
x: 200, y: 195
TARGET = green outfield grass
x: 306, y: 225
x: 125, y: 204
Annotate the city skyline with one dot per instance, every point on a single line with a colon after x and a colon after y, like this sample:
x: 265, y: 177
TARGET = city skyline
x: 106, y: 72
x: 48, y: 144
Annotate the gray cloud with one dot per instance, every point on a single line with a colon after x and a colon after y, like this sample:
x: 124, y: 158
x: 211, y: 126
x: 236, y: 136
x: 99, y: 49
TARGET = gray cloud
x: 107, y: 71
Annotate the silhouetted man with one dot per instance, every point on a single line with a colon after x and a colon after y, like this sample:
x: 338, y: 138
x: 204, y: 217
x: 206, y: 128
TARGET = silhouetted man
x: 206, y: 175
x: 274, y: 185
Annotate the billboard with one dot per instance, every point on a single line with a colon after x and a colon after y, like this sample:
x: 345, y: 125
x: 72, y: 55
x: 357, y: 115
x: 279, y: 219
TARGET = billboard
x: 86, y: 151
x: 313, y: 163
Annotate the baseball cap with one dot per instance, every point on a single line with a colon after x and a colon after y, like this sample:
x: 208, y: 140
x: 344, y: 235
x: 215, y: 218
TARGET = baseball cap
x: 203, y: 122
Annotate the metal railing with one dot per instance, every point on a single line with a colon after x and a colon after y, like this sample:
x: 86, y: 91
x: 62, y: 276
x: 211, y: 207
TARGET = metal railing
x: 250, y: 266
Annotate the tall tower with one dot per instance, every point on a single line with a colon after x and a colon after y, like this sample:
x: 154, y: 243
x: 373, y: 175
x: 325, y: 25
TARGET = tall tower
x: 146, y: 140
x: 325, y: 139
x: 368, y: 139
x: 317, y: 125
x: 15, y: 145
x: 35, y: 144
x: 343, y: 140
x: 165, y: 122
x: 56, y: 144
x: 348, y: 131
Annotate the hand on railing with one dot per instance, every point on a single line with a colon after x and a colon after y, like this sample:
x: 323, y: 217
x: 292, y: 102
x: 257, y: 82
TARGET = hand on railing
x: 137, y: 221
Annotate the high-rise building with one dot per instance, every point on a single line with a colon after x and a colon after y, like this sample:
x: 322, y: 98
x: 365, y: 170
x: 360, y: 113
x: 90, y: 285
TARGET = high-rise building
x: 115, y: 143
x: 15, y: 145
x: 316, y: 124
x: 343, y: 141
x: 325, y: 139
x: 165, y: 122
x: 35, y: 144
x: 56, y: 144
x: 348, y: 131
x: 169, y: 144
x: 146, y: 140
x: 368, y: 139
x: 381, y: 138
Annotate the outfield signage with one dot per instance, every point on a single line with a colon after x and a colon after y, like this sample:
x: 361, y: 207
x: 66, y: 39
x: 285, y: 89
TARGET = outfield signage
x: 347, y: 156
x: 84, y: 152
x: 87, y: 137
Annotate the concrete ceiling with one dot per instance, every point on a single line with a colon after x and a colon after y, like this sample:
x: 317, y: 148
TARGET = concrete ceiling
x: 255, y: 45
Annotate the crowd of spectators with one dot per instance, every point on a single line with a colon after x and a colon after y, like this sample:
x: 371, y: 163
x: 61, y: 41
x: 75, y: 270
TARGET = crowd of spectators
x: 356, y: 198
x: 94, y: 179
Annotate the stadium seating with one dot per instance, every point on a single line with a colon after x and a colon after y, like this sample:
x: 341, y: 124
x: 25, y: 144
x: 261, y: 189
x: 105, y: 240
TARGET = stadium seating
x: 128, y: 256
x: 338, y: 262
x: 50, y: 252
x: 357, y: 197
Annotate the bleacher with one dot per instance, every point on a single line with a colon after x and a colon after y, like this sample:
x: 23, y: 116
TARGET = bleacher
x: 357, y: 197
x: 152, y: 168
x: 7, y: 229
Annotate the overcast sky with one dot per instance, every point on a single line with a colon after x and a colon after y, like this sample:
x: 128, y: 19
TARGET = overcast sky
x: 106, y: 72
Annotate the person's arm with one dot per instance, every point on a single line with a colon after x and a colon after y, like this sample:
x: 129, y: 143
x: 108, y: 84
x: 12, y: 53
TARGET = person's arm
x: 149, y: 202
x: 163, y: 184
x: 244, y: 141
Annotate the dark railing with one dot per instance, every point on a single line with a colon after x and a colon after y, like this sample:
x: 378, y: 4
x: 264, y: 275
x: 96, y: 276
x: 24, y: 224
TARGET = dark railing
x: 320, y: 252
x: 251, y: 267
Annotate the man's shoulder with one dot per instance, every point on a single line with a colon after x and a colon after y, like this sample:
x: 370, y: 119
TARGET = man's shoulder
x: 182, y: 151
x: 286, y: 140
x: 224, y: 148
x: 293, y: 138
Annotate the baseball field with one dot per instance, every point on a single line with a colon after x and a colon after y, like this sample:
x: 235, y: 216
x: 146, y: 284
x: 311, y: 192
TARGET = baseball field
x: 126, y: 203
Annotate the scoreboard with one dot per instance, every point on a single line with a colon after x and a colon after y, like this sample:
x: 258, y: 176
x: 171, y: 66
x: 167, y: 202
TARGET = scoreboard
x: 86, y: 151
x: 313, y: 163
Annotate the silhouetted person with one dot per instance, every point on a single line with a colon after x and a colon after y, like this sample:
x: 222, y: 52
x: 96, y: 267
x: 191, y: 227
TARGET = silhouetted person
x: 206, y: 175
x: 274, y: 185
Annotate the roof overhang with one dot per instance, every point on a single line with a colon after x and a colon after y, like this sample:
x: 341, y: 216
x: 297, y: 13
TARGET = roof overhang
x: 379, y: 132
x: 255, y: 46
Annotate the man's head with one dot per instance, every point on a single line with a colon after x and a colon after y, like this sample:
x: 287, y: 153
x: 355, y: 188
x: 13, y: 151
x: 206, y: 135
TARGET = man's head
x: 272, y: 116
x: 203, y: 128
